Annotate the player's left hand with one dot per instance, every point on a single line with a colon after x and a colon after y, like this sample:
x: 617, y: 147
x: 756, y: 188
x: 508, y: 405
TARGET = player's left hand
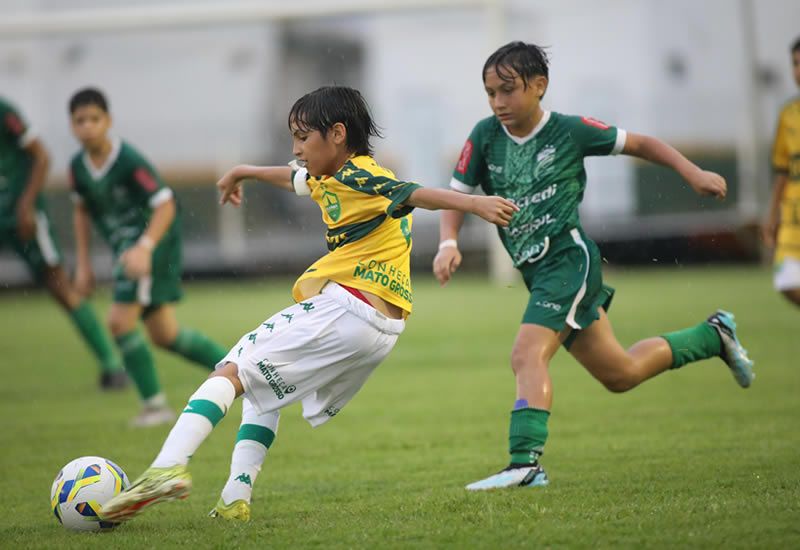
x: 136, y: 261
x: 230, y: 189
x: 707, y: 183
x: 26, y: 222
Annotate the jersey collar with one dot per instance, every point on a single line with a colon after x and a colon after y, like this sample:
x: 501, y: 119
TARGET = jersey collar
x: 97, y: 173
x: 524, y: 139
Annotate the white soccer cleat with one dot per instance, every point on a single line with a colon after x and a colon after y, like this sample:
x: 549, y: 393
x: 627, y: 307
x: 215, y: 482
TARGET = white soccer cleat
x: 516, y: 475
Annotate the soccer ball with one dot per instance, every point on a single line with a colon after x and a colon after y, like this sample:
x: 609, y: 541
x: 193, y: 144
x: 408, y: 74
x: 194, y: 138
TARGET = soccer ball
x: 80, y: 490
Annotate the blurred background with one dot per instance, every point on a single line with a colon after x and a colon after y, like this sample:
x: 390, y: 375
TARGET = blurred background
x: 199, y: 86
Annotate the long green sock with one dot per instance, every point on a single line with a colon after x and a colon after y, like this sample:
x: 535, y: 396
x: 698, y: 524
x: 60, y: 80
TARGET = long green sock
x: 198, y: 347
x: 139, y: 363
x: 95, y: 337
x: 527, y: 435
x: 693, y: 344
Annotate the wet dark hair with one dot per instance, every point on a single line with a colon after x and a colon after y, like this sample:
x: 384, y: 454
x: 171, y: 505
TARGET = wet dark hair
x: 796, y: 46
x: 527, y: 60
x: 88, y: 96
x: 321, y: 109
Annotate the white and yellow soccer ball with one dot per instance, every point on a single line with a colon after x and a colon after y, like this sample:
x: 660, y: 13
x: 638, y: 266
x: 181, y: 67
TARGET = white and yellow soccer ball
x: 81, y: 489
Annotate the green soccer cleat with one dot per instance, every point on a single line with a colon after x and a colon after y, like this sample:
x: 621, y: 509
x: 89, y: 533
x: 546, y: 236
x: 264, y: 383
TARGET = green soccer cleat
x: 734, y: 355
x: 153, y: 486
x: 238, y: 510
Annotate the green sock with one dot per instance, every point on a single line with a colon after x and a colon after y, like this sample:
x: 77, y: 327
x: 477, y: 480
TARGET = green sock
x: 693, y: 344
x: 139, y: 363
x: 198, y: 347
x: 95, y: 337
x: 527, y: 435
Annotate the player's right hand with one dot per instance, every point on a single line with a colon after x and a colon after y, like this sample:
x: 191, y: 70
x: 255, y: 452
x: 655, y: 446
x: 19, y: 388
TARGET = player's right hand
x: 84, y: 281
x: 496, y: 210
x: 446, y: 263
x: 230, y: 189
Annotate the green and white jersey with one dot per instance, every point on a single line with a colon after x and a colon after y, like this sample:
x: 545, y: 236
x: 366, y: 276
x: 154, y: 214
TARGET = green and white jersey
x: 542, y: 173
x: 15, y: 161
x: 120, y: 195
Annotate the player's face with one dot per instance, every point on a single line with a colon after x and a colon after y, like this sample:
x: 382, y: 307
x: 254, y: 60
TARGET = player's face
x: 90, y: 125
x: 322, y: 156
x: 796, y: 66
x: 514, y: 104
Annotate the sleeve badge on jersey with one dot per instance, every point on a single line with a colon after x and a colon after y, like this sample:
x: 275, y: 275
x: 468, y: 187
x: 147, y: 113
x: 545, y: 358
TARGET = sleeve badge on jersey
x: 463, y: 160
x: 145, y: 179
x: 589, y: 121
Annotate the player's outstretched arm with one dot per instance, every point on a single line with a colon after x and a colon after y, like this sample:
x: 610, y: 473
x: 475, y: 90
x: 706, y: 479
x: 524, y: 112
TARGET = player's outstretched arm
x: 84, y: 277
x: 496, y: 210
x: 653, y: 149
x: 230, y: 185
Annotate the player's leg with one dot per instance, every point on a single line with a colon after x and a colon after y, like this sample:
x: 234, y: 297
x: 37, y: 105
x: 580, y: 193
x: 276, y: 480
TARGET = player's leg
x: 43, y: 258
x: 165, y: 332
x: 793, y: 295
x: 123, y: 319
x: 787, y: 279
x: 256, y: 435
x: 598, y: 350
x: 168, y: 477
x: 533, y: 349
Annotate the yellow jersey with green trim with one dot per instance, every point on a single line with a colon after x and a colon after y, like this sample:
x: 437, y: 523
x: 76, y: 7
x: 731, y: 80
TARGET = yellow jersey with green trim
x: 369, y: 231
x: 786, y: 160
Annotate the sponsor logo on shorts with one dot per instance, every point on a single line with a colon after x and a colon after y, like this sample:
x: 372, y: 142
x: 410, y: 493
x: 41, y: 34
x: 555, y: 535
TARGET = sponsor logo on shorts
x: 275, y: 380
x: 548, y: 305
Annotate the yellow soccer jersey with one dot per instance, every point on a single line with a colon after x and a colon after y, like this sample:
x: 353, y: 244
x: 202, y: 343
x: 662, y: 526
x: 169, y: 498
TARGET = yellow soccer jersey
x: 786, y: 159
x: 369, y: 231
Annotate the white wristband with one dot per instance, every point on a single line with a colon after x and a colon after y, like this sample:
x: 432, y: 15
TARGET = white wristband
x: 448, y: 243
x: 146, y: 242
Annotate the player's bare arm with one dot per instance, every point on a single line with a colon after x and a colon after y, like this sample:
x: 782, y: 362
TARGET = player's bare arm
x: 496, y: 210
x: 137, y: 260
x: 230, y: 185
x: 769, y: 231
x: 84, y: 276
x: 654, y: 150
x: 26, y: 206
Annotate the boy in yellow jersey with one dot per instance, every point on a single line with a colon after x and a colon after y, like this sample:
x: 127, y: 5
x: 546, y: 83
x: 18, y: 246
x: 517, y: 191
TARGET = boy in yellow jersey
x: 782, y: 228
x: 351, y: 304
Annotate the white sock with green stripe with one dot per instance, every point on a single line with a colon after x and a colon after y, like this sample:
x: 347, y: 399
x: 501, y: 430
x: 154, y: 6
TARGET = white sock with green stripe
x: 206, y: 408
x: 256, y: 434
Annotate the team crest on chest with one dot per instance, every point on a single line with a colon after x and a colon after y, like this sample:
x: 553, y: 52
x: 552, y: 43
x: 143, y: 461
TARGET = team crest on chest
x: 332, y: 205
x: 544, y: 161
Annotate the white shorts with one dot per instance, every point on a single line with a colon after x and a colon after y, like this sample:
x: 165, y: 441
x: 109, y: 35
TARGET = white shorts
x: 787, y: 274
x: 319, y: 352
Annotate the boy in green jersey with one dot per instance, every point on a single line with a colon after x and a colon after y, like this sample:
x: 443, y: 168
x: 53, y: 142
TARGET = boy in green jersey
x: 534, y: 158
x: 136, y: 214
x: 25, y: 227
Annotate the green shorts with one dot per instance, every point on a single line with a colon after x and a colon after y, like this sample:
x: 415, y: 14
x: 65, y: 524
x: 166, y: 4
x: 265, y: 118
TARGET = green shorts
x: 41, y: 252
x: 162, y: 286
x: 566, y: 285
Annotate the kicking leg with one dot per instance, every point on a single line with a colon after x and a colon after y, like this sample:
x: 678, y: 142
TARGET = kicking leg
x: 168, y: 477
x: 166, y: 333
x: 256, y: 434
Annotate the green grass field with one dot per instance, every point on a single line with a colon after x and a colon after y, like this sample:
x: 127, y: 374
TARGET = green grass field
x: 687, y: 460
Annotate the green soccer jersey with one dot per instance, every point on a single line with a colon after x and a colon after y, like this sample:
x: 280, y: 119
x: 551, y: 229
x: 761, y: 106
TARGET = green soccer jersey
x: 120, y: 195
x: 15, y: 161
x: 542, y: 173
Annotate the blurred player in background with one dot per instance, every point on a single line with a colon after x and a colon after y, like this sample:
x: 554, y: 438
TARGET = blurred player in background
x: 25, y: 227
x: 351, y: 303
x: 137, y: 215
x: 782, y: 227
x: 535, y: 158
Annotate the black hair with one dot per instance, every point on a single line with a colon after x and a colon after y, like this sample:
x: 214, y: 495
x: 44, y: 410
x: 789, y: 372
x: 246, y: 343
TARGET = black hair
x: 796, y: 46
x: 324, y: 107
x: 88, y: 96
x: 527, y: 60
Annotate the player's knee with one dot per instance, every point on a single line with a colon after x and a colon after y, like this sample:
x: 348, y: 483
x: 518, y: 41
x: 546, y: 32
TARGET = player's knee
x: 161, y: 340
x: 793, y: 295
x: 523, y: 360
x: 619, y: 384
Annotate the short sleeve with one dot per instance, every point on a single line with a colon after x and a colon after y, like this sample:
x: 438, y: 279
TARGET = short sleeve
x: 470, y: 169
x: 300, y: 179
x: 146, y: 181
x: 780, y: 148
x: 383, y: 184
x: 596, y: 138
x: 14, y: 125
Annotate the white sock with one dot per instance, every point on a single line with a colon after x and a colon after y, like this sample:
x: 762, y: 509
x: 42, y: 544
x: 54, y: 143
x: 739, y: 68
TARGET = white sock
x: 206, y: 407
x: 256, y: 434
